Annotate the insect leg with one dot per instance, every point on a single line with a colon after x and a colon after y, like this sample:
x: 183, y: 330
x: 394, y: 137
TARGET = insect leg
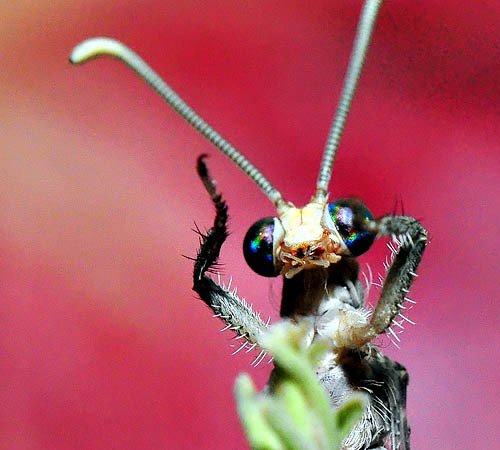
x: 234, y: 311
x: 410, y: 237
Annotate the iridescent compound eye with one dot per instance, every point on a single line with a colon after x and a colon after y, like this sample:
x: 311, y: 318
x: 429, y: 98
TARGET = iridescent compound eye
x: 258, y: 247
x: 351, y: 218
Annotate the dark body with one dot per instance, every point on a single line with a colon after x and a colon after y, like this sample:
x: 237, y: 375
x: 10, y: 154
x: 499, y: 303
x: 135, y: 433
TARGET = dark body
x: 315, y: 295
x: 366, y: 369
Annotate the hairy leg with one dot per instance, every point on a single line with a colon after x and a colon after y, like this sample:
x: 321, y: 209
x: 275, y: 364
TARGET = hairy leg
x: 410, y: 238
x: 234, y: 311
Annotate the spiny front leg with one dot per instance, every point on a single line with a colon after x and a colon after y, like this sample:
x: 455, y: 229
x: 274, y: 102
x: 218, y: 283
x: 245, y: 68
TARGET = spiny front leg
x: 234, y: 311
x: 410, y: 238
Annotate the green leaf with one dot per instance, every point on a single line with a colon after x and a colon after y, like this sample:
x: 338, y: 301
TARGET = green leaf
x: 294, y: 412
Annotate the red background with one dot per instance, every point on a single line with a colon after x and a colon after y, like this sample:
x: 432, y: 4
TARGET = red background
x: 102, y: 343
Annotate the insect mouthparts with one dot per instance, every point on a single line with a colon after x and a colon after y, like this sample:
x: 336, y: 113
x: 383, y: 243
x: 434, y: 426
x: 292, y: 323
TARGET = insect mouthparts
x: 315, y: 248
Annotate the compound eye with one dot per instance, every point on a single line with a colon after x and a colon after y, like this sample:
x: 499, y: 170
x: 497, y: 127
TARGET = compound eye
x: 258, y: 247
x: 351, y: 217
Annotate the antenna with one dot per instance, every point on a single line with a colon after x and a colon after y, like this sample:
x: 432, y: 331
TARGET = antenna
x: 362, y: 40
x: 101, y: 46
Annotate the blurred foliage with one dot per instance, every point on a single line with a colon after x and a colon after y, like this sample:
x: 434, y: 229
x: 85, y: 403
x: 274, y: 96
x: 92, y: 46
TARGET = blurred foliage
x: 294, y: 411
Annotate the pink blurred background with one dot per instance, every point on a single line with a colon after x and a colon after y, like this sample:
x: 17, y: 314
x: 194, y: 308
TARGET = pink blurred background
x: 102, y: 343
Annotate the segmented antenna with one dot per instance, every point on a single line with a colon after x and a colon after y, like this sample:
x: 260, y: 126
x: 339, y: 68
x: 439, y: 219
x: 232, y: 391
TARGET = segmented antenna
x: 101, y: 46
x: 358, y: 56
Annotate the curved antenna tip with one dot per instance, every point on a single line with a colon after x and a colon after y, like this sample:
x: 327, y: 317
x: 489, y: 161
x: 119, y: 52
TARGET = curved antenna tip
x: 95, y: 47
x: 102, y: 46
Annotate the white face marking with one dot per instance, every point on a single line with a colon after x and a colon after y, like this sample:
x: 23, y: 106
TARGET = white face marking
x: 308, y: 238
x: 302, y: 224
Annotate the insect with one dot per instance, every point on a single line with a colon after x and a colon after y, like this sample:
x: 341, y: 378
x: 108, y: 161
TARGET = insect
x: 314, y: 248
